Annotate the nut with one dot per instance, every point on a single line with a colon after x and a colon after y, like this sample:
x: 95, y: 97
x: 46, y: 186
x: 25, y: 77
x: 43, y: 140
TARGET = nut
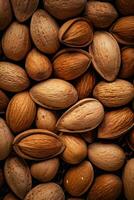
x: 10, y: 196
x: 127, y: 4
x: 4, y: 100
x: 130, y: 139
x: 5, y: 14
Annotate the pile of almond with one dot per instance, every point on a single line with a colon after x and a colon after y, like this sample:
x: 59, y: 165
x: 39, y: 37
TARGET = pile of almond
x: 66, y: 100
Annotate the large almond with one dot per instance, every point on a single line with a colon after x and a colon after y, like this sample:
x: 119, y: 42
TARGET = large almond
x: 18, y: 176
x: 44, y: 32
x: 116, y: 123
x: 55, y: 94
x: 20, y: 112
x: 69, y: 64
x: 85, y: 115
x: 105, y: 53
x: 15, y: 78
x: 38, y: 144
x: 114, y: 94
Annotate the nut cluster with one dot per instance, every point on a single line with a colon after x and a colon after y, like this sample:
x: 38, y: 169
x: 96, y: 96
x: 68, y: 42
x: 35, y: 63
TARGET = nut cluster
x: 66, y: 99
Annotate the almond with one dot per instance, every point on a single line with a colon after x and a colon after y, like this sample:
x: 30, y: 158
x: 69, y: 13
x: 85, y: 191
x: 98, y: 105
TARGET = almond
x: 5, y: 14
x: 125, y: 7
x: 24, y: 9
x: 15, y: 78
x: 108, y: 157
x: 54, y: 94
x: 106, y: 57
x: 101, y: 14
x: 116, y: 123
x: 64, y: 10
x: 3, y: 101
x: 38, y: 144
x: 128, y: 179
x: 76, y: 32
x: 105, y: 187
x: 44, y: 32
x: 18, y: 176
x: 85, y: 84
x: 130, y: 139
x: 89, y: 136
x: 123, y: 30
x: 10, y: 196
x: 16, y: 41
x: 76, y: 181
x: 85, y: 115
x: 69, y: 64
x: 114, y: 94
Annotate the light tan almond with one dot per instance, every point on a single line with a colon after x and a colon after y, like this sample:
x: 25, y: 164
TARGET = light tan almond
x: 105, y: 53
x: 114, y: 94
x: 85, y: 115
x: 15, y: 78
x: 108, y: 157
x: 21, y: 112
x: 116, y: 123
x: 54, y: 94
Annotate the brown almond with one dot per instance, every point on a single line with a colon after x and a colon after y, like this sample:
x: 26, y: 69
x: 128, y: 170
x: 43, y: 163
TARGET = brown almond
x: 101, y: 14
x: 114, y: 94
x: 108, y: 157
x: 127, y: 58
x: 20, y: 112
x: 128, y: 179
x: 44, y: 32
x: 15, y: 78
x: 105, y: 54
x: 64, y: 10
x: 16, y: 41
x: 17, y: 175
x: 105, y: 186
x: 116, y: 123
x: 38, y: 66
x: 123, y: 30
x: 76, y: 181
x: 24, y: 9
x: 85, y: 115
x: 69, y: 64
x: 89, y: 136
x: 125, y: 7
x: 76, y: 32
x: 85, y: 84
x: 4, y: 100
x: 54, y: 94
x: 38, y: 144
x: 5, y: 14
x: 48, y: 191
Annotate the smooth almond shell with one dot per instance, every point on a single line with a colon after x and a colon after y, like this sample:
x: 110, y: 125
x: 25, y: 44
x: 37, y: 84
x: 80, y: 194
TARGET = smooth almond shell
x: 85, y: 84
x: 38, y: 144
x: 18, y: 176
x: 101, y: 14
x: 20, y: 112
x: 38, y: 66
x: 108, y: 157
x: 105, y: 54
x: 128, y: 179
x: 70, y: 155
x: 48, y: 191
x: 123, y: 30
x: 69, y: 64
x: 45, y: 171
x: 63, y: 10
x: 116, y: 123
x: 54, y: 94
x: 85, y: 115
x: 16, y: 41
x: 10, y: 196
x: 4, y: 100
x: 114, y: 94
x: 44, y: 32
x: 127, y: 4
x: 5, y: 14
x: 76, y: 32
x: 24, y: 9
x: 6, y: 139
x: 106, y: 186
x: 76, y: 181
x: 15, y: 78
x: 127, y: 68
